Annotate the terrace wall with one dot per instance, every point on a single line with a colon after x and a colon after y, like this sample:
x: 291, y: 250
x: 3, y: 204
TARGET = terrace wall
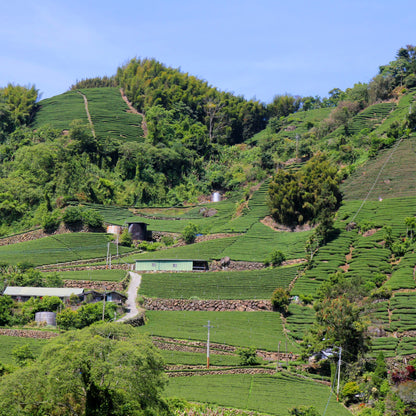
x: 206, y: 305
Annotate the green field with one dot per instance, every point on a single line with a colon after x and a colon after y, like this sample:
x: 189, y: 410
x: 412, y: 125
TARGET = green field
x: 7, y: 343
x: 59, y: 249
x: 59, y: 111
x: 107, y: 109
x: 397, y: 179
x: 270, y: 394
x: 199, y: 358
x: 260, y: 241
x: 257, y: 284
x: 113, y: 275
x: 262, y: 330
x: 110, y: 117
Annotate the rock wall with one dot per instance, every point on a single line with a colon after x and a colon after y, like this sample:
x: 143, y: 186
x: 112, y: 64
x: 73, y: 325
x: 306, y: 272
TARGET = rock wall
x: 95, y: 285
x: 235, y: 265
x: 206, y: 305
x: 28, y: 333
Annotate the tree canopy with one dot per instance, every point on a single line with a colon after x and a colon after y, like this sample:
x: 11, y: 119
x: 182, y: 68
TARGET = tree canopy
x: 306, y: 195
x: 105, y: 369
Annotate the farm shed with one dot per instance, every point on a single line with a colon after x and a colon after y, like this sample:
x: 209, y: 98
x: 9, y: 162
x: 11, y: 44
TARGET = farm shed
x: 175, y: 265
x: 92, y: 296
x: 22, y: 294
x: 138, y: 231
x: 115, y: 297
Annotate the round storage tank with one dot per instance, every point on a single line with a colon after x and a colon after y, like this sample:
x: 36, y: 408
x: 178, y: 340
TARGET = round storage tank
x: 48, y: 317
x: 216, y: 197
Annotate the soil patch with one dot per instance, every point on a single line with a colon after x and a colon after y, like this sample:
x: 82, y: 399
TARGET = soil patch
x: 271, y: 223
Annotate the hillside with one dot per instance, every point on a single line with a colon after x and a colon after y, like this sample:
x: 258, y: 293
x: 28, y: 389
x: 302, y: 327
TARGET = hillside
x: 81, y: 160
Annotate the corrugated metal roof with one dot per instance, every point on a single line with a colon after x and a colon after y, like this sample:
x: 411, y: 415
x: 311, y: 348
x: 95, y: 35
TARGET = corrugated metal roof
x: 167, y: 260
x: 62, y: 292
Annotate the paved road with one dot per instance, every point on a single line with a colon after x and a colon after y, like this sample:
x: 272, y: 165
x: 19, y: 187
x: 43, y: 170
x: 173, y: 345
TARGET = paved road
x: 135, y: 280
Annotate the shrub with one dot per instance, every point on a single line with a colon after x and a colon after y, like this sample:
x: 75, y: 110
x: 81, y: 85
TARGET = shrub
x: 189, y: 233
x: 276, y: 258
x: 167, y: 240
x: 280, y: 299
x: 303, y: 411
x: 51, y: 221
x: 93, y: 219
x: 248, y: 356
x: 125, y: 238
x: 72, y: 217
x: 350, y: 391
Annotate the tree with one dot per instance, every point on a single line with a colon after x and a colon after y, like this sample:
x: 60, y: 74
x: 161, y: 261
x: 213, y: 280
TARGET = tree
x: 189, y: 233
x: 410, y: 223
x: 92, y: 219
x: 276, y: 258
x: 125, y: 238
x: 280, y: 299
x: 6, y: 303
x: 248, y: 356
x: 339, y: 322
x: 308, y: 195
x: 72, y: 217
x: 20, y: 101
x: 102, y: 370
x: 283, y: 105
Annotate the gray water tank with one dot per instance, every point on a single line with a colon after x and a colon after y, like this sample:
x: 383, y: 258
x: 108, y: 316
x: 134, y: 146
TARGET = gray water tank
x: 48, y: 317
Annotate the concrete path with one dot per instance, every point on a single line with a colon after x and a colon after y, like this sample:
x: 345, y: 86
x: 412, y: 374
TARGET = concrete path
x: 135, y: 280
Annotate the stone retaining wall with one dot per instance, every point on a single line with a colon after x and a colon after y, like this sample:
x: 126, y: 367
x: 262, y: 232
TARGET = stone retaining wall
x: 95, y: 285
x: 28, y: 333
x: 206, y: 305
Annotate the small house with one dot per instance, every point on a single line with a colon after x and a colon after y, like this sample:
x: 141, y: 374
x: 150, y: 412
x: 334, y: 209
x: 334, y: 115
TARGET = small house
x: 169, y: 265
x: 115, y: 297
x: 92, y: 296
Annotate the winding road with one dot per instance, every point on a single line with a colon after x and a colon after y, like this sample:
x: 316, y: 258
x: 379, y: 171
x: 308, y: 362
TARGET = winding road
x: 135, y: 280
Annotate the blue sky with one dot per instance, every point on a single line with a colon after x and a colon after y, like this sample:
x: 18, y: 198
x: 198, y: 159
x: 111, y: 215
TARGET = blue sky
x: 252, y: 48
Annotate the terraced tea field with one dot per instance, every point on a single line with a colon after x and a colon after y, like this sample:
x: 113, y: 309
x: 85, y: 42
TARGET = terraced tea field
x: 270, y: 394
x: 59, y: 249
x: 257, y: 284
x: 262, y: 330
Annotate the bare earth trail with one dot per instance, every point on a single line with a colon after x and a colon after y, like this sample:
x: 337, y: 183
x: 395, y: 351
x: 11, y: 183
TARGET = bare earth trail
x: 135, y: 280
x: 134, y: 111
x: 88, y: 113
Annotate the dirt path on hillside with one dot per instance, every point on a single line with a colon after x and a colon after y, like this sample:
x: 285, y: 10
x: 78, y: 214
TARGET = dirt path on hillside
x: 135, y: 280
x: 134, y: 111
x: 88, y: 113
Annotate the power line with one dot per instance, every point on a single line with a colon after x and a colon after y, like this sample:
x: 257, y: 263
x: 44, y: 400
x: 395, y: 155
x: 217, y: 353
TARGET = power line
x: 377, y: 178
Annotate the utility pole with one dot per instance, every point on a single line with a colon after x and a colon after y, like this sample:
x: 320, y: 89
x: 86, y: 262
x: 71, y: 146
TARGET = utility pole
x: 104, y: 302
x: 108, y: 253
x: 278, y: 356
x: 339, y: 371
x: 209, y: 327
